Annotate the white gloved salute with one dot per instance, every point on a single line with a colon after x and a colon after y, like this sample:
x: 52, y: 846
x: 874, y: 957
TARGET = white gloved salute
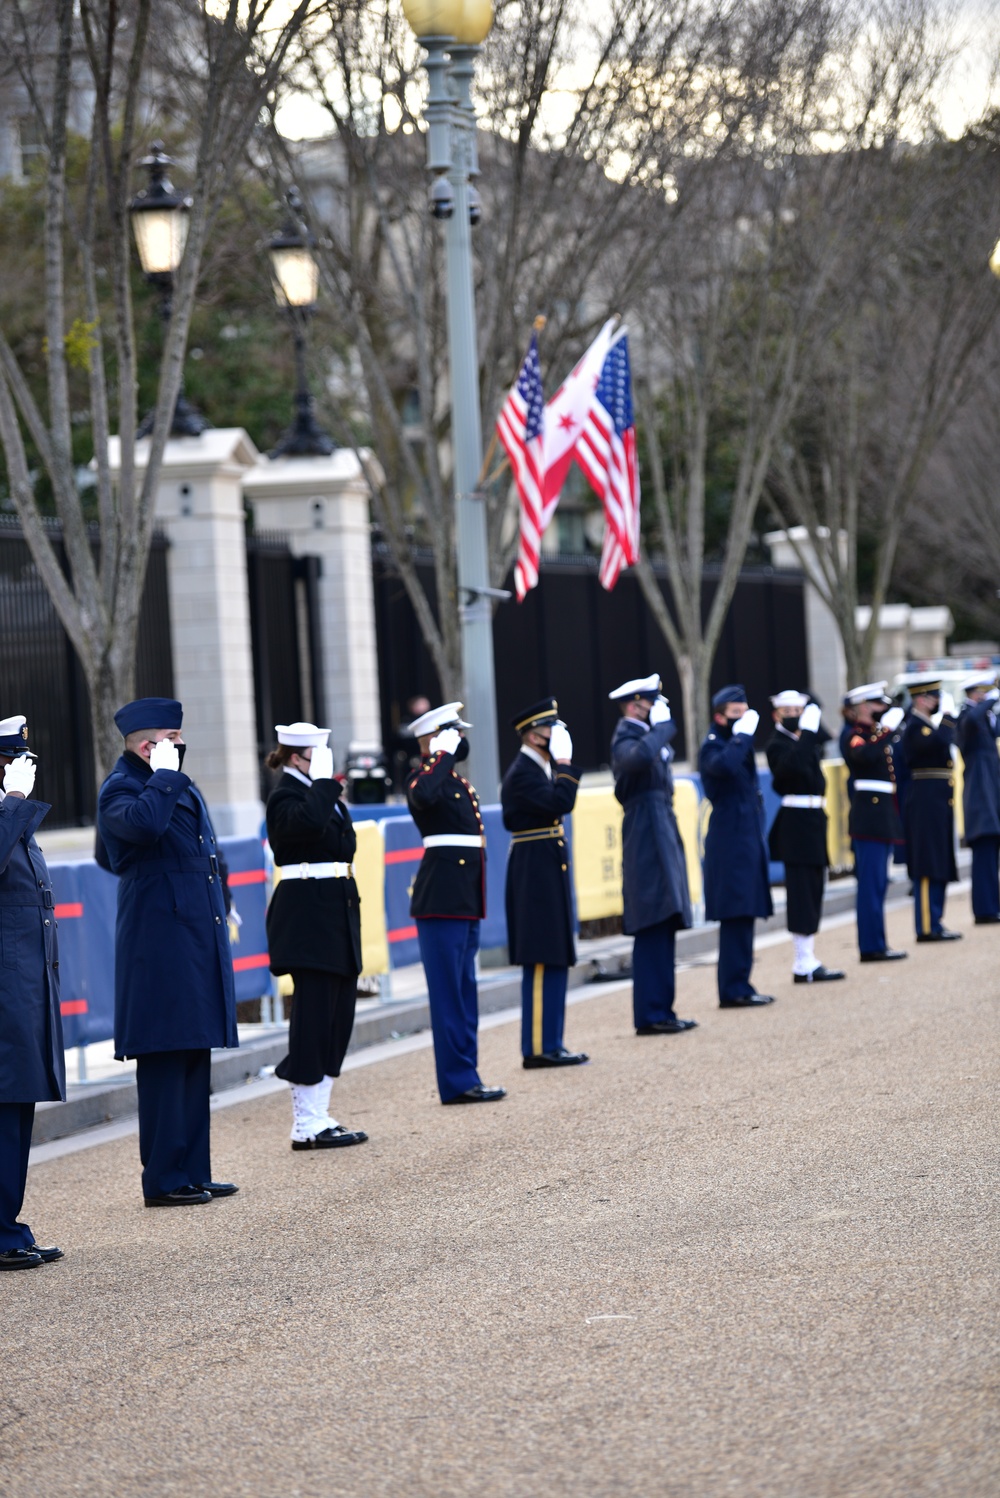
x: 809, y: 718
x: 164, y: 756
x: 992, y: 694
x: 19, y: 776
x: 321, y: 763
x: 948, y: 709
x: 560, y: 744
x: 892, y: 719
x: 748, y: 723
x: 659, y: 712
x: 446, y: 742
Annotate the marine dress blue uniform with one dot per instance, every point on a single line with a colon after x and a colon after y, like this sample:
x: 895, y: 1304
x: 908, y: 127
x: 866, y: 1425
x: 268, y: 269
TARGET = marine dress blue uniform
x: 32, y: 1063
x: 737, y: 889
x: 448, y: 903
x: 929, y: 819
x: 874, y: 822
x: 535, y: 796
x: 174, y: 996
x: 655, y: 898
x: 977, y: 733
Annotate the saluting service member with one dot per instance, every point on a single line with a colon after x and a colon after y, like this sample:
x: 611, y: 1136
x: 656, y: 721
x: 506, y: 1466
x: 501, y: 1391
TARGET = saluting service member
x: 929, y: 808
x: 798, y: 833
x: 867, y: 742
x: 313, y: 927
x: 737, y: 889
x: 538, y: 790
x: 32, y: 1061
x: 977, y: 733
x: 449, y: 900
x: 174, y: 997
x: 654, y: 872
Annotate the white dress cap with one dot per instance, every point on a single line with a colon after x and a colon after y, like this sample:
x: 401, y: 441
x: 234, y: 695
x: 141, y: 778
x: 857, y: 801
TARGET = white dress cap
x: 640, y: 686
x: 977, y: 679
x: 11, y: 727
x: 448, y: 716
x: 873, y: 691
x: 301, y: 735
x: 790, y: 698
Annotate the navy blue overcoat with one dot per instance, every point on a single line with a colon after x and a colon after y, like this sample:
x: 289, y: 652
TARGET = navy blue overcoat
x: 539, y: 896
x: 654, y: 871
x: 977, y: 733
x: 736, y: 882
x: 32, y: 1062
x: 928, y: 807
x: 173, y: 965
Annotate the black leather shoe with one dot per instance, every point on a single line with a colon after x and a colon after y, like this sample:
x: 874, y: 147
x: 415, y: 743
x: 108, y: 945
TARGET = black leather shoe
x: 820, y: 975
x: 887, y: 956
x: 48, y: 1254
x: 218, y: 1188
x: 746, y: 1001
x: 988, y: 920
x: 478, y: 1094
x: 673, y: 1026
x: 562, y: 1057
x: 20, y: 1258
x: 184, y: 1196
x: 331, y: 1139
x: 942, y: 935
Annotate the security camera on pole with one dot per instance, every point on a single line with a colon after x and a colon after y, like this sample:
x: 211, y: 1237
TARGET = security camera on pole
x: 451, y: 32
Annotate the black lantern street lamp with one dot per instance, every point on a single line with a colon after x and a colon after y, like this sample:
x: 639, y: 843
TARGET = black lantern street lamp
x: 160, y: 223
x: 296, y: 286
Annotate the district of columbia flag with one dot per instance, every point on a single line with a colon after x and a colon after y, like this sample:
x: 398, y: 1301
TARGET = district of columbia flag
x: 566, y: 416
x: 521, y: 430
x: 606, y: 452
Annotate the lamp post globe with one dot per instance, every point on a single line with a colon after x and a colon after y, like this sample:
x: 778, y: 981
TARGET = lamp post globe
x: 995, y: 260
x: 467, y: 21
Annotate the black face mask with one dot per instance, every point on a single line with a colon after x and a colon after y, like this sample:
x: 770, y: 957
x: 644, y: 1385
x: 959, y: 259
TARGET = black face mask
x: 462, y: 752
x: 792, y: 724
x: 180, y: 755
x: 725, y: 730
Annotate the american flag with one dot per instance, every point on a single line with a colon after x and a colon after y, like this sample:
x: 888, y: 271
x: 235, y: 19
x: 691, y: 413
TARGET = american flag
x: 606, y: 453
x: 521, y: 428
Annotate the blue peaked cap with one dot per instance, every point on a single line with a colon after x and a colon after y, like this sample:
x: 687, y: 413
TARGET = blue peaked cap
x: 735, y: 693
x: 148, y: 712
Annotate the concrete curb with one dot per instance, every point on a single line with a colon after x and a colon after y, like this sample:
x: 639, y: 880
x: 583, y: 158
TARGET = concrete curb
x: 88, y: 1107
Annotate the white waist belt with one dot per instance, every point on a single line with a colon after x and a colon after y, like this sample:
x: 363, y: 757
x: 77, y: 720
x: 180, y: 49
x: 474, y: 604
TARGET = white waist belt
x: 316, y: 870
x: 805, y: 803
x: 874, y: 785
x: 454, y: 840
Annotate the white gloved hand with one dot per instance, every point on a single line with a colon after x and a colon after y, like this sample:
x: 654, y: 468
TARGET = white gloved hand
x: 948, y: 709
x: 321, y: 763
x: 892, y: 719
x: 748, y: 722
x: 809, y: 718
x: 992, y: 694
x: 659, y: 712
x: 560, y: 744
x: 164, y: 756
x: 19, y: 776
x: 446, y: 742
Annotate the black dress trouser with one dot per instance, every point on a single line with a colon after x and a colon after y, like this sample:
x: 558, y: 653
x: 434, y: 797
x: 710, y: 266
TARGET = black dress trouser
x: 16, y: 1121
x: 174, y: 1089
x: 320, y: 1028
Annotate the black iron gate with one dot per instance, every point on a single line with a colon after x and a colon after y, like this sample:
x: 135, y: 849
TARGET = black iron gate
x: 285, y: 636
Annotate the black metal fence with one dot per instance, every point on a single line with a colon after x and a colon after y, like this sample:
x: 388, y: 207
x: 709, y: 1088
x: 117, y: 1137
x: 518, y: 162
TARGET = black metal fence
x: 574, y: 640
x: 41, y: 677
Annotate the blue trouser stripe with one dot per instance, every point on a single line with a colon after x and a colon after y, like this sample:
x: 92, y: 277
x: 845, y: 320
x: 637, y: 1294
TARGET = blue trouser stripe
x: 448, y: 952
x: 653, y: 974
x: 871, y: 864
x: 553, y: 1009
x: 986, y: 876
x: 736, y: 957
x: 174, y: 1088
x: 16, y: 1120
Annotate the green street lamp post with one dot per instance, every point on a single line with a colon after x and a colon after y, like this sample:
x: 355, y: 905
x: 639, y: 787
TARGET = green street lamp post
x: 451, y: 31
x: 296, y: 287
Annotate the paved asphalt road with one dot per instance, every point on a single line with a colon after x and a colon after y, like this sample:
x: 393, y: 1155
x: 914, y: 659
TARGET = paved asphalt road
x: 759, y: 1259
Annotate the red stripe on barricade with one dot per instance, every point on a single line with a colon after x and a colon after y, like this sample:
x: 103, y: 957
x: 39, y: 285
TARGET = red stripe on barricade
x: 259, y: 959
x: 73, y: 1006
x: 247, y: 876
x: 402, y: 933
x: 405, y: 855
x: 65, y: 912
